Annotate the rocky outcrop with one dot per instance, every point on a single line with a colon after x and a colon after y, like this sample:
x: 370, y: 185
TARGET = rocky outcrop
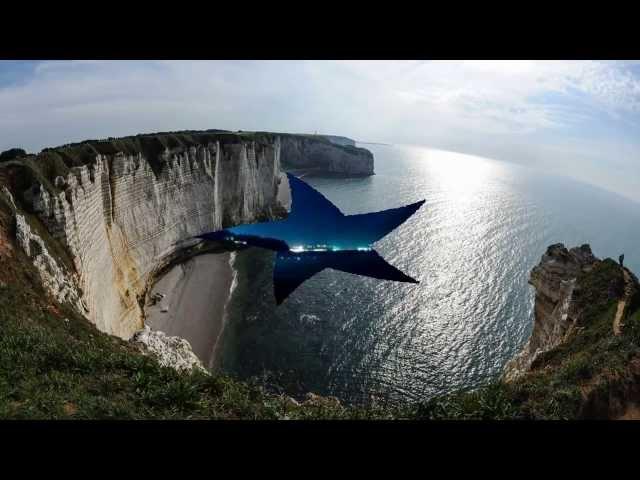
x: 555, y: 311
x: 324, y: 157
x: 173, y: 352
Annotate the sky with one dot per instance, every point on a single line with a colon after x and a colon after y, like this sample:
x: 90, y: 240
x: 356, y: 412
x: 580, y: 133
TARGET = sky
x: 574, y: 118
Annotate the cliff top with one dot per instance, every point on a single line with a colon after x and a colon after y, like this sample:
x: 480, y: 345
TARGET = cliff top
x: 45, y: 166
x: 154, y: 143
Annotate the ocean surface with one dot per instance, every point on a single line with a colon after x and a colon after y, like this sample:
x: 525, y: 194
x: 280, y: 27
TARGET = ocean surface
x: 484, y: 225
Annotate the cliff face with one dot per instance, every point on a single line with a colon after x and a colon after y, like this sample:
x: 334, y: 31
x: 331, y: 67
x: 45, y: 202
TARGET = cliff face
x: 555, y: 309
x: 120, y: 220
x: 120, y: 209
x: 323, y: 156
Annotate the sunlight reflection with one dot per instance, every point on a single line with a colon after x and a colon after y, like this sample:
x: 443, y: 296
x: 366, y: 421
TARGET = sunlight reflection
x: 460, y: 174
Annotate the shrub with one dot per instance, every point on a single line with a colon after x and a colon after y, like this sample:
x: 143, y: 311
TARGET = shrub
x: 11, y: 154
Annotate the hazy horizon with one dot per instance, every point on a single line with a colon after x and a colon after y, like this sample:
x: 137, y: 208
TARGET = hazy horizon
x: 579, y: 119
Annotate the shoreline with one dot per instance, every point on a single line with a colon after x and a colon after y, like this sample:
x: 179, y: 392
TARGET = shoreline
x: 196, y: 293
x: 213, y: 360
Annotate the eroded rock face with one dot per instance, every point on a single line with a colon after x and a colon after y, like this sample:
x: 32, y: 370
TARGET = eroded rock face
x: 121, y: 216
x: 120, y: 220
x: 54, y: 279
x: 555, y: 312
x: 173, y: 352
x: 325, y: 157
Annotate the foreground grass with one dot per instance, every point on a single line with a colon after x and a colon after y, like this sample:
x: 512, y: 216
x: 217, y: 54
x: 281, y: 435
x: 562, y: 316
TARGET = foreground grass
x: 54, y: 366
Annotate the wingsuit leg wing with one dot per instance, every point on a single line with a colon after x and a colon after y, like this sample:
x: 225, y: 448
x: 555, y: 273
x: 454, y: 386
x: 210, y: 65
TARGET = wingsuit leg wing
x: 291, y: 270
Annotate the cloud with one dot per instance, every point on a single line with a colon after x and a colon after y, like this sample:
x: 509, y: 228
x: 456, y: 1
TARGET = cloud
x: 557, y: 115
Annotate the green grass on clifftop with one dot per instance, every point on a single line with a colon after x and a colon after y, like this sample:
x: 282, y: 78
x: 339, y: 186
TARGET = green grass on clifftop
x: 54, y: 365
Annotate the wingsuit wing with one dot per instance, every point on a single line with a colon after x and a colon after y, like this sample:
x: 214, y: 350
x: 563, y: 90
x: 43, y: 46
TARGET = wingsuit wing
x: 368, y: 264
x: 291, y: 270
x: 371, y: 227
x: 309, y: 204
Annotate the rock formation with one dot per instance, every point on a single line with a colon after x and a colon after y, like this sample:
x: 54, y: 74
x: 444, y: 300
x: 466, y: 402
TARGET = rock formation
x: 123, y: 208
x: 120, y: 221
x: 173, y: 352
x: 555, y: 311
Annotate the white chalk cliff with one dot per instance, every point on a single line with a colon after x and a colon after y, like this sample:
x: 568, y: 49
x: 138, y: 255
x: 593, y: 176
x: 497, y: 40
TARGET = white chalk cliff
x: 120, y: 221
x: 122, y: 216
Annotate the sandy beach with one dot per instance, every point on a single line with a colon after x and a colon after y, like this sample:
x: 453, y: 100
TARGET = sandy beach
x: 196, y: 293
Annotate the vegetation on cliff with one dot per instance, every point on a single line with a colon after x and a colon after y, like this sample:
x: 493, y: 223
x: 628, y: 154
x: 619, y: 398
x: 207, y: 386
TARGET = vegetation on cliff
x: 57, y: 161
x: 12, y: 153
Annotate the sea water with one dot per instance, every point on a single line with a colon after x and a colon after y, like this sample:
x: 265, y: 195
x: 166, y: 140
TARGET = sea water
x: 484, y: 225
